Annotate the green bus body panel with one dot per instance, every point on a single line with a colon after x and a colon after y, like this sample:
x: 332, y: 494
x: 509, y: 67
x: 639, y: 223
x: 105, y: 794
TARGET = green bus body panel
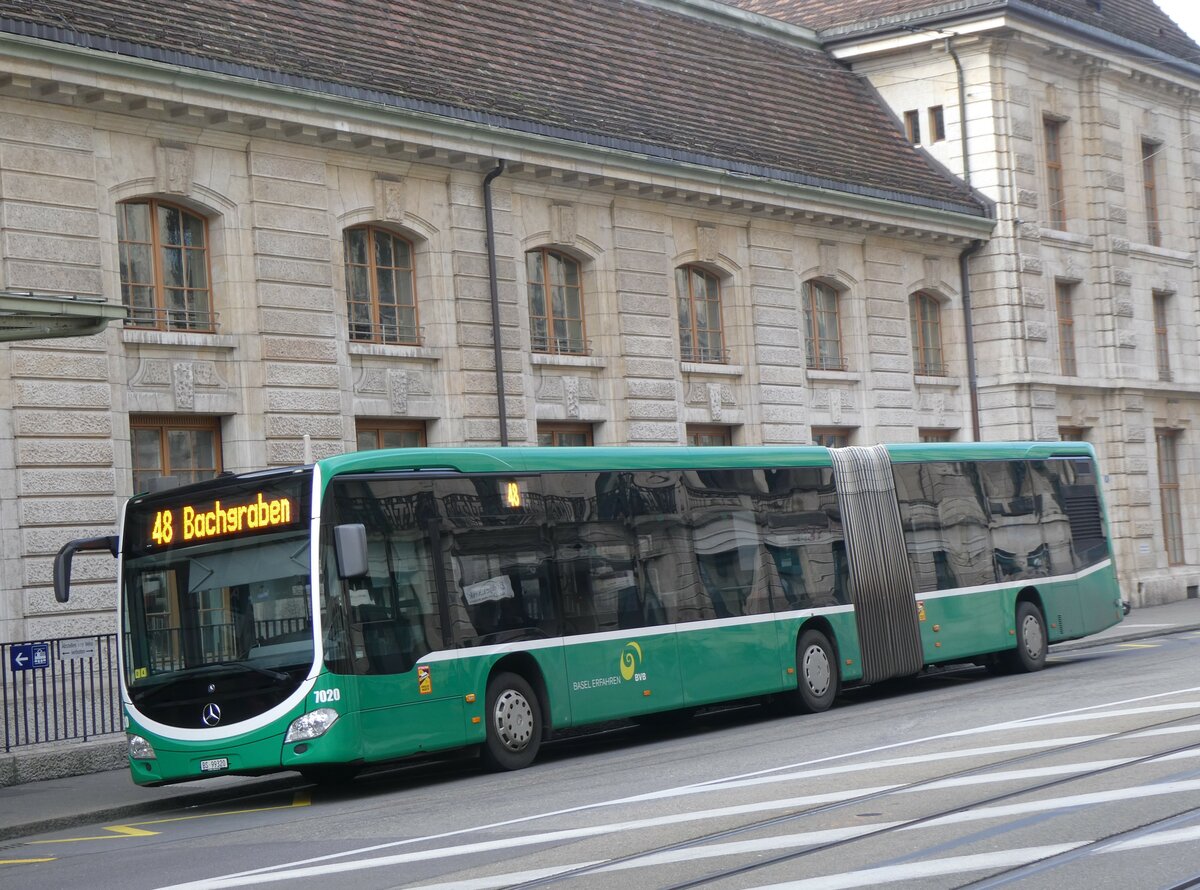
x: 178, y: 760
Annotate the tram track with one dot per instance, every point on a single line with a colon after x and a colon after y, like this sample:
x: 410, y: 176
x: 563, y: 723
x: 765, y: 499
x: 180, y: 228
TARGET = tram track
x: 891, y: 828
x: 1117, y: 838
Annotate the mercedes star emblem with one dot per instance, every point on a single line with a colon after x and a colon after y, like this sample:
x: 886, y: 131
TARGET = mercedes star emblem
x: 211, y: 715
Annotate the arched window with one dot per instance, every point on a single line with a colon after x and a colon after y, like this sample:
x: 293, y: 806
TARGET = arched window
x: 822, y: 327
x: 381, y: 292
x: 164, y: 266
x: 925, y: 313
x: 701, y: 338
x: 555, y: 303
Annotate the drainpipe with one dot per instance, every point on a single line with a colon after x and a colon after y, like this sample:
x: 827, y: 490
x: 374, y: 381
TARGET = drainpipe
x: 974, y: 247
x: 972, y: 379
x: 962, y: 110
x: 501, y: 408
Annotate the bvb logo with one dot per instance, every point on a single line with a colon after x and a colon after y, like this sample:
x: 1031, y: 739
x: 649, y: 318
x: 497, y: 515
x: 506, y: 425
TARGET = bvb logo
x: 631, y: 657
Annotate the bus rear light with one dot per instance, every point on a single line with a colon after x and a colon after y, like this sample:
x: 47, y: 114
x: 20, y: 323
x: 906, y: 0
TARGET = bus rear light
x: 311, y: 725
x: 140, y: 749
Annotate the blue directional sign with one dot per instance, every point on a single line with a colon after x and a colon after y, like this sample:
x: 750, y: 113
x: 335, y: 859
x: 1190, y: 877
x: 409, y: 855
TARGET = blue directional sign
x: 29, y: 656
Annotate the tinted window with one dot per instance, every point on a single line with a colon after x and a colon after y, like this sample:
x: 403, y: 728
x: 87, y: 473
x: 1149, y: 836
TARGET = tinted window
x: 1079, y: 495
x: 594, y: 544
x: 386, y: 621
x: 946, y: 526
x: 803, y: 538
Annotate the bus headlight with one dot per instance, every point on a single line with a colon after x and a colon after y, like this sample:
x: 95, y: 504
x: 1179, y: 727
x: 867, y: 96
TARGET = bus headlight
x: 311, y: 725
x: 140, y: 749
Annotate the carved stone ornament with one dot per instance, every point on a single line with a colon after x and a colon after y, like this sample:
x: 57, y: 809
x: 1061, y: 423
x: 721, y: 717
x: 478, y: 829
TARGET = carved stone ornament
x: 183, y: 385
x: 389, y: 199
x: 173, y: 169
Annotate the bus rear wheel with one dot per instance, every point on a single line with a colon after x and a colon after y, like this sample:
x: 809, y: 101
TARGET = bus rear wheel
x: 1032, y: 642
x: 817, y: 679
x: 514, y: 723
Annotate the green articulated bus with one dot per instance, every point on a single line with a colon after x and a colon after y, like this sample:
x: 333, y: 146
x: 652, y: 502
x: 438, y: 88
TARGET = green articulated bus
x: 382, y: 604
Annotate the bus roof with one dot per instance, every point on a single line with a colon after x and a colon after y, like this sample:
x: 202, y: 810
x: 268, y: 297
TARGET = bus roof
x: 519, y: 459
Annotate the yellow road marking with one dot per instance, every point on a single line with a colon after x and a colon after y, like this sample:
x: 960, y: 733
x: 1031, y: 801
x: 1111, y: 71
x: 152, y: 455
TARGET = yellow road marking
x: 301, y: 799
x: 1139, y: 645
x: 24, y: 861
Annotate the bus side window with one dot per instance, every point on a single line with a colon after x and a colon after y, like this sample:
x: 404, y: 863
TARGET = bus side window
x: 803, y: 535
x: 946, y: 529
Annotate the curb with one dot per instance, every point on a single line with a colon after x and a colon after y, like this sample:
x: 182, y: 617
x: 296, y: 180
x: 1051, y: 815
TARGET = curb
x: 61, y: 760
x: 1093, y: 642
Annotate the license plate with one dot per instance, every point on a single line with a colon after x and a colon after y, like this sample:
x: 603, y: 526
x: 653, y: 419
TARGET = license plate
x: 209, y: 766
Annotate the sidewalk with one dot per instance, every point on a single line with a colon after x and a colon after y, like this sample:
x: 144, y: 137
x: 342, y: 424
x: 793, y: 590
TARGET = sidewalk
x: 107, y: 794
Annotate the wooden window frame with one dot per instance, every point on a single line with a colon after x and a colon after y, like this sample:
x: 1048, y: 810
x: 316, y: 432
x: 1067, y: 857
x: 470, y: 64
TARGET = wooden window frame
x: 935, y: 435
x: 1162, y: 342
x: 374, y: 330
x: 1064, y: 299
x: 937, y: 123
x: 1167, y: 446
x: 164, y: 424
x: 814, y: 346
x: 551, y: 343
x: 912, y: 126
x: 690, y: 332
x: 699, y: 433
x: 161, y: 316
x: 382, y: 426
x: 832, y: 436
x: 928, y: 358
x: 1056, y: 208
x: 555, y: 430
x: 1150, y: 152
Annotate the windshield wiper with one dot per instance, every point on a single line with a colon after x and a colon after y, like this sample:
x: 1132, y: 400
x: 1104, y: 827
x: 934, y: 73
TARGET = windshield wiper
x: 277, y: 676
x: 176, y: 677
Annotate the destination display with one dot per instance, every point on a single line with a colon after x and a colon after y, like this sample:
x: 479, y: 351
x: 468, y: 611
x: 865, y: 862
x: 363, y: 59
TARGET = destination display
x: 218, y: 520
x: 218, y: 513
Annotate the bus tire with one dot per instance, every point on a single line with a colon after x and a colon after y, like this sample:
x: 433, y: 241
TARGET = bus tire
x: 817, y: 679
x: 1032, y: 642
x: 514, y: 723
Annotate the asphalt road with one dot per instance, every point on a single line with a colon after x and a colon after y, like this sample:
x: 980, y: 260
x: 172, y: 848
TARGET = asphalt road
x: 1086, y: 775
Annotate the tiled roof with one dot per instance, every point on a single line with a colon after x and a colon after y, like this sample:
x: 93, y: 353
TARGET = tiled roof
x: 1138, y: 20
x: 613, y: 72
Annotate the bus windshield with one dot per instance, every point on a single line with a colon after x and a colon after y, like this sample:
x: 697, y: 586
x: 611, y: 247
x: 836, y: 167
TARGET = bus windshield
x: 225, y: 607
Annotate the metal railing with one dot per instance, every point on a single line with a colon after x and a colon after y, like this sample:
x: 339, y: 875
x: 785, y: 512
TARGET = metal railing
x: 560, y: 345
x: 385, y: 332
x: 712, y: 355
x: 161, y: 319
x: 59, y: 690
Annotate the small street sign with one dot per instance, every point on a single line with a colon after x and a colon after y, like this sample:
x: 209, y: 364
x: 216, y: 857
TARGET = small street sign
x: 29, y: 656
x: 74, y: 650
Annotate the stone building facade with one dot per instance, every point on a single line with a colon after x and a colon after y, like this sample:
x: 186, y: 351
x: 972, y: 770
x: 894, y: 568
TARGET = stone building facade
x: 272, y: 176
x: 1082, y: 125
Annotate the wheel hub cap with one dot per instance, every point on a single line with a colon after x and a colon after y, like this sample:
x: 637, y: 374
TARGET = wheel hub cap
x: 816, y: 670
x: 513, y: 719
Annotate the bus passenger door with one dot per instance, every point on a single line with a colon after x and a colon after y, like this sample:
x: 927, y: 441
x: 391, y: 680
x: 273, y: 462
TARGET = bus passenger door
x: 383, y: 633
x: 618, y: 646
x: 703, y: 559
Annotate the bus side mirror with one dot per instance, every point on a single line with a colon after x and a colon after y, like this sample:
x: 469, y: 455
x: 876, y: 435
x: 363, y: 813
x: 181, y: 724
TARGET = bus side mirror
x: 350, y: 544
x: 62, y: 561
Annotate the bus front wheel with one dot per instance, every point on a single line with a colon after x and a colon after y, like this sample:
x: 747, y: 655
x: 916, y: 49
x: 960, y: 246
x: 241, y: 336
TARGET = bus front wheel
x: 1032, y: 642
x: 514, y: 723
x: 816, y: 673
